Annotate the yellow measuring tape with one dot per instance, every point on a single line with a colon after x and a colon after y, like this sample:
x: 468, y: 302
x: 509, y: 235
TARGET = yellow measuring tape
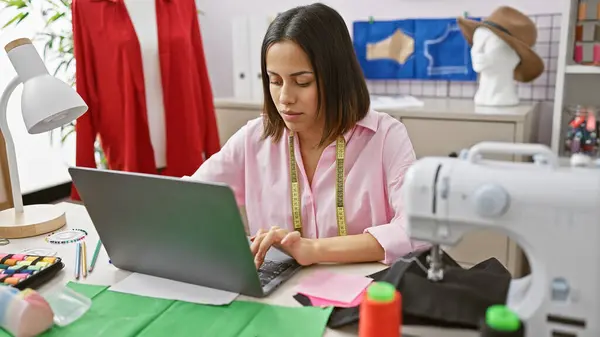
x: 340, y: 149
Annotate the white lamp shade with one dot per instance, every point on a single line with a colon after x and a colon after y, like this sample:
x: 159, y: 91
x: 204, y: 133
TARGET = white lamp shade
x: 48, y: 103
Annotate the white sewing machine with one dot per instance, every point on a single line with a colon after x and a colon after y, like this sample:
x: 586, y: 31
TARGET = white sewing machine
x: 552, y: 212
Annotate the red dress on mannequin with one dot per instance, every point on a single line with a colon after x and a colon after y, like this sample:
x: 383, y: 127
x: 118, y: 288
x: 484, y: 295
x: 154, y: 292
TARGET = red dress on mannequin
x: 110, y: 78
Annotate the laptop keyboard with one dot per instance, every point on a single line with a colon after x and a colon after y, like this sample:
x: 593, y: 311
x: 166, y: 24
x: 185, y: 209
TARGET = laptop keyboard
x: 270, y: 270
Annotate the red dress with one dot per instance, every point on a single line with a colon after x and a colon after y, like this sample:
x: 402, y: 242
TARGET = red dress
x: 109, y: 77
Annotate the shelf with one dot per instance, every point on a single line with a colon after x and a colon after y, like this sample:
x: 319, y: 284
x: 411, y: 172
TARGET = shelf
x: 579, y: 69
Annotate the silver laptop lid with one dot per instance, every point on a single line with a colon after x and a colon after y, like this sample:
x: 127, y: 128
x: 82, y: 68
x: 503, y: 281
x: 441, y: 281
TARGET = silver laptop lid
x: 168, y: 227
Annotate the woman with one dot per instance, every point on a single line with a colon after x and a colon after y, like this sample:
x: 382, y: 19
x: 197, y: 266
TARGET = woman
x: 282, y: 167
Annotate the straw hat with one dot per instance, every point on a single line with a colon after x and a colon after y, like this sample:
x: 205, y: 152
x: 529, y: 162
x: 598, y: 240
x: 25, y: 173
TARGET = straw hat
x: 518, y: 31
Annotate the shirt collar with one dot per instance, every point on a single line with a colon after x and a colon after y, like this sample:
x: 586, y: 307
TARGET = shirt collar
x: 369, y: 121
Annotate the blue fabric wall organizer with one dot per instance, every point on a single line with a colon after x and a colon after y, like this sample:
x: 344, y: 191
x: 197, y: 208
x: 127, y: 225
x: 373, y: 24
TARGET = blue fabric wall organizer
x: 440, y: 50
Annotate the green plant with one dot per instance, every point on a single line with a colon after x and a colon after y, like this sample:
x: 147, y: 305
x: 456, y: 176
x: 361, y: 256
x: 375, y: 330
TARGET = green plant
x: 57, y: 37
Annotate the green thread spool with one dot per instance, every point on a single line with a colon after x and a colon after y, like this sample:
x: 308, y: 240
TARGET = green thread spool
x: 500, y: 321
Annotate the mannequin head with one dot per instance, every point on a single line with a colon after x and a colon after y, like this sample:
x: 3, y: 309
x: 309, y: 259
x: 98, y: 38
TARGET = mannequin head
x: 490, y: 54
x: 502, y: 53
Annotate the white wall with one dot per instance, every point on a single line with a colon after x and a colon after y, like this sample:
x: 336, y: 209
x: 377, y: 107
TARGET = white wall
x: 216, y: 23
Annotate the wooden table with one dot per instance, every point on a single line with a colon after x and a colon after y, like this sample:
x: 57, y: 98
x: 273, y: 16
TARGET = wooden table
x: 106, y: 274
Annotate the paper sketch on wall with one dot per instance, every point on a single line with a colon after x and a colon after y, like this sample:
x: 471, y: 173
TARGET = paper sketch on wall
x: 446, y: 65
x: 398, y: 47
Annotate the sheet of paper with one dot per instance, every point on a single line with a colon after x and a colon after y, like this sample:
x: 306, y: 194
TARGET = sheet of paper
x: 394, y: 102
x: 336, y: 287
x: 124, y: 315
x: 321, y: 302
x: 151, y: 286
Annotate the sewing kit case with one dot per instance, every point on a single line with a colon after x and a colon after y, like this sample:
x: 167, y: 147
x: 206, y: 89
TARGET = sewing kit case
x: 23, y: 271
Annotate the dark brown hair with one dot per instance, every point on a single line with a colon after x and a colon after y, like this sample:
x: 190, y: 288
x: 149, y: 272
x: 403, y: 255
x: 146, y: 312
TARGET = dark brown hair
x: 322, y: 33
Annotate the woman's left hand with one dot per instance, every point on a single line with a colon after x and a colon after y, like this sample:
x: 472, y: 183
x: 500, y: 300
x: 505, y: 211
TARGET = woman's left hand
x: 303, y: 250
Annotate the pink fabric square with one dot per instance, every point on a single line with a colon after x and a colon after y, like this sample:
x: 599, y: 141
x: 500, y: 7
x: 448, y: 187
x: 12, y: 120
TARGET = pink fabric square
x: 333, y: 287
x: 320, y: 302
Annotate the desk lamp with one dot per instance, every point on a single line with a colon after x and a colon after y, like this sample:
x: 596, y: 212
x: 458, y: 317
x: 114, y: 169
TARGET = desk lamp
x: 46, y: 103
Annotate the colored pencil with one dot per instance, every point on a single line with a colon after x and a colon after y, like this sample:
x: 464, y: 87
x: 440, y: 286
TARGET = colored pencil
x: 95, y: 257
x: 84, y: 259
x: 77, y: 260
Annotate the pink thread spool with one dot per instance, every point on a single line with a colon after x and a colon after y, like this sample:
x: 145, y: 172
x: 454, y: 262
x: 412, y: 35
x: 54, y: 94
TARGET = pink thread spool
x: 578, y: 54
x: 597, y: 53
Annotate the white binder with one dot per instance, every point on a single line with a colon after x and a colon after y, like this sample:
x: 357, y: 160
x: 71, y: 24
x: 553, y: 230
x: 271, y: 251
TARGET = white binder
x: 242, y: 86
x: 258, y: 28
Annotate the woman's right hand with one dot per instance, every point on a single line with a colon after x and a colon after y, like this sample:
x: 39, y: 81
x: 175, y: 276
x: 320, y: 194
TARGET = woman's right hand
x: 303, y: 250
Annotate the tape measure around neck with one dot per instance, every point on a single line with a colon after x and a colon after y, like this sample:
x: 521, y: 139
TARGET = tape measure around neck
x: 340, y: 152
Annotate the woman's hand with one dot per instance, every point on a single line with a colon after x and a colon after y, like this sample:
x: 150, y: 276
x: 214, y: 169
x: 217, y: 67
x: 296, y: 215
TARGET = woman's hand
x: 301, y: 249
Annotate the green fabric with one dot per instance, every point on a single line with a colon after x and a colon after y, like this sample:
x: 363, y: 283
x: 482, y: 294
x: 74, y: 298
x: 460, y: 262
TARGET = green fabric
x: 240, y: 319
x: 122, y: 315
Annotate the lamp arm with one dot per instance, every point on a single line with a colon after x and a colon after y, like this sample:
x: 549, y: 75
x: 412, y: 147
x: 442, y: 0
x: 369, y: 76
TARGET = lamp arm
x: 10, y: 146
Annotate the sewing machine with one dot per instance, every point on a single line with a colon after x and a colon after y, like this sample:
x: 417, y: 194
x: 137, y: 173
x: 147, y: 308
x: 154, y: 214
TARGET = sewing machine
x: 552, y: 212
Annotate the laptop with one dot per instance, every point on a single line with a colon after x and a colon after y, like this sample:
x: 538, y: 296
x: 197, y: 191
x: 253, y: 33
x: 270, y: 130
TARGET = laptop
x: 177, y: 229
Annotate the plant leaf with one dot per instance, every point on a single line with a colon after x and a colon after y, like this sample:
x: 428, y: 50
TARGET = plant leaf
x: 16, y: 18
x: 54, y: 18
x: 66, y: 135
x: 22, y: 17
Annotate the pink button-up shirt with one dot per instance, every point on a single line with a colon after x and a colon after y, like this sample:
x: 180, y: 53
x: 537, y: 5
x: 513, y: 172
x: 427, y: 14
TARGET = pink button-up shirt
x: 378, y: 153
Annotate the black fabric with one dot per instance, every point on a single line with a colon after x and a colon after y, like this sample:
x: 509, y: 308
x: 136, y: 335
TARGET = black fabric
x: 459, y: 300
